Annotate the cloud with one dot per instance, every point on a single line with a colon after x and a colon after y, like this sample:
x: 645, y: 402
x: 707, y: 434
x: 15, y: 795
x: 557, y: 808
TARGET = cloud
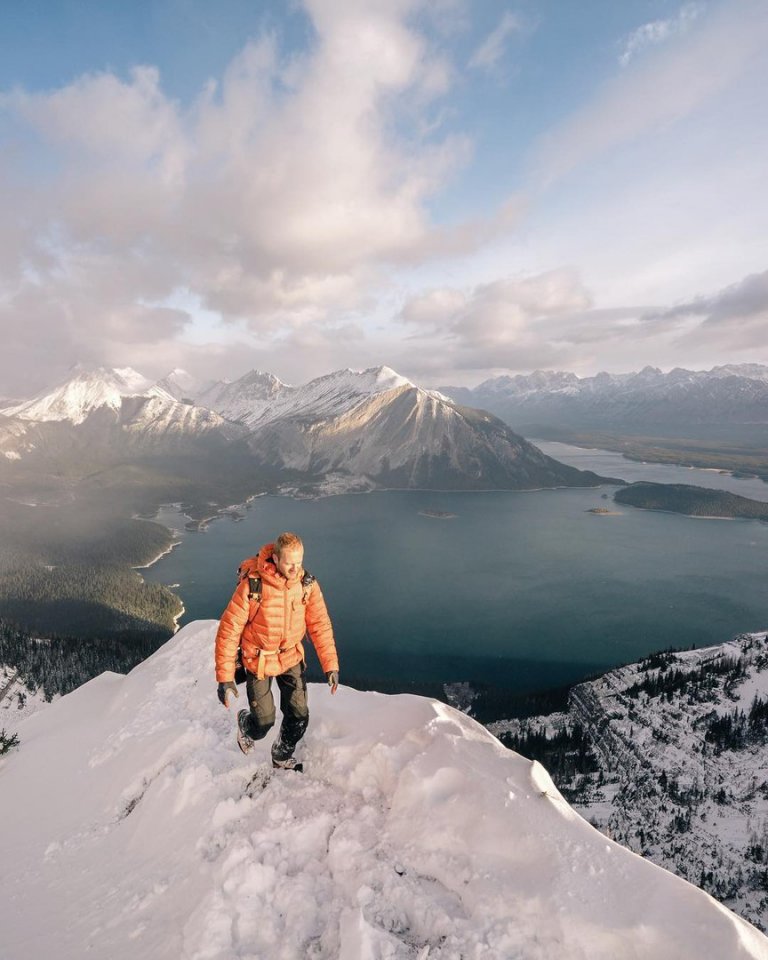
x: 507, y: 322
x: 735, y: 317
x: 492, y: 49
x: 282, y: 195
x: 745, y: 300
x: 659, y: 31
x: 665, y: 89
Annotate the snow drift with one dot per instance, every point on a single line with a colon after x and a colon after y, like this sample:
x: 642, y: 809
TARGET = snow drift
x: 129, y: 829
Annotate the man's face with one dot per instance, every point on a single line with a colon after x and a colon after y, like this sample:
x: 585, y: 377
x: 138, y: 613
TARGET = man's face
x: 289, y: 562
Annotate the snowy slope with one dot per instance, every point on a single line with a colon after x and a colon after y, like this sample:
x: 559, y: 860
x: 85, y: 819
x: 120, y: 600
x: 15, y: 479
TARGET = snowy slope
x: 665, y: 786
x: 413, y: 834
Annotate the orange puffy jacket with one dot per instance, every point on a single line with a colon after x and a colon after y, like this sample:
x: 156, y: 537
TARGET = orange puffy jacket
x: 272, y: 641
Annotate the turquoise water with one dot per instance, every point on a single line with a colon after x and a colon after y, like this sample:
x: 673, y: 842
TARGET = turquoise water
x: 521, y: 590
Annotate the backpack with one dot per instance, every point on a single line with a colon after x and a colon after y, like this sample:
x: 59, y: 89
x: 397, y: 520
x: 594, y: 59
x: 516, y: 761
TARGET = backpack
x: 248, y: 569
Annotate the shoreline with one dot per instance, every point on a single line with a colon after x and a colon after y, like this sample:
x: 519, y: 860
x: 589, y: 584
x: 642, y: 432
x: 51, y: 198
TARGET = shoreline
x: 163, y: 553
x: 733, y: 472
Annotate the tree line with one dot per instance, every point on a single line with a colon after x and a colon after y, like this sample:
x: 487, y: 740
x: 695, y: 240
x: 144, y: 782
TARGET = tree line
x: 698, y: 684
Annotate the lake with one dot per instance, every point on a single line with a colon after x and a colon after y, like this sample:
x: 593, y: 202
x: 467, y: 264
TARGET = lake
x: 521, y: 590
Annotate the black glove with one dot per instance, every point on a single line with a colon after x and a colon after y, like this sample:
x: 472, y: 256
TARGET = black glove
x: 332, y: 676
x: 225, y: 689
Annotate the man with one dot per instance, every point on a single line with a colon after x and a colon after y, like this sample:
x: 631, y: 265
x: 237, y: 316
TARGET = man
x: 288, y: 605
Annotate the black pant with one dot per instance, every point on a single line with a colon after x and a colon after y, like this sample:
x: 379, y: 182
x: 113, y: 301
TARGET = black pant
x: 293, y: 703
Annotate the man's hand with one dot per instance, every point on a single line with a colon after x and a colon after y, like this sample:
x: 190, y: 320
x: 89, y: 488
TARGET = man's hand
x: 225, y: 689
x: 333, y: 680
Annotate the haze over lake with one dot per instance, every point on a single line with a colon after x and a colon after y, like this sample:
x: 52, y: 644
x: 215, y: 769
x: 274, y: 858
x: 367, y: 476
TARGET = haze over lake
x: 520, y: 589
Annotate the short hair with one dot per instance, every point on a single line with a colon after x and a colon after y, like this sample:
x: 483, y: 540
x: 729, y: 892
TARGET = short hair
x: 287, y: 541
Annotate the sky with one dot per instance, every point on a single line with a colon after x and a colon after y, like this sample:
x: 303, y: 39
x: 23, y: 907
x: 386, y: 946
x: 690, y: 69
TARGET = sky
x: 454, y: 188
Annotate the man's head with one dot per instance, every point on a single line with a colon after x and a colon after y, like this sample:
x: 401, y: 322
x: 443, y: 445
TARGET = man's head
x: 288, y: 555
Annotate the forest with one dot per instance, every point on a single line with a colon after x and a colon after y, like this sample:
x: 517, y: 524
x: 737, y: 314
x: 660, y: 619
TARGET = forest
x: 58, y: 664
x: 691, y: 501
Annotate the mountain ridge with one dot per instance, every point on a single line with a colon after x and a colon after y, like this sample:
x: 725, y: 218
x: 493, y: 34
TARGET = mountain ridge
x: 412, y: 832
x: 732, y: 393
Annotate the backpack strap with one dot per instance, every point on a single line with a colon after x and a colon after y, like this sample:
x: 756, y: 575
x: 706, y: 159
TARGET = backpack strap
x: 254, y: 589
x: 307, y: 582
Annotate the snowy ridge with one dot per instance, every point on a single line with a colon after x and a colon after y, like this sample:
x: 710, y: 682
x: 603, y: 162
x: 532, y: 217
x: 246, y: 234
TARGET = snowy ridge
x: 247, y: 399
x: 260, y: 398
x: 413, y: 834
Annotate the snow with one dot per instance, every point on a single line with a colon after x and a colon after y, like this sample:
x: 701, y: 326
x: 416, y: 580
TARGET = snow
x: 16, y: 701
x: 128, y: 831
x: 662, y: 787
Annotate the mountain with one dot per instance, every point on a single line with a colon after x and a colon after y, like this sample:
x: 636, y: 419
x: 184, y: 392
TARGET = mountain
x: 87, y: 390
x: 412, y: 833
x: 679, y: 751
x: 731, y: 394
x: 378, y: 427
x: 102, y: 411
x: 347, y: 430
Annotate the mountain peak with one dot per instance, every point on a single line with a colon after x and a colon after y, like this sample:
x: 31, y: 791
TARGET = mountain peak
x: 411, y: 830
x: 85, y: 390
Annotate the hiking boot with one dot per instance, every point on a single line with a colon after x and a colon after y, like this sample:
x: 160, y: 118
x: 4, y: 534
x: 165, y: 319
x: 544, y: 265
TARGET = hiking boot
x: 244, y: 741
x: 283, y: 758
x: 290, y: 763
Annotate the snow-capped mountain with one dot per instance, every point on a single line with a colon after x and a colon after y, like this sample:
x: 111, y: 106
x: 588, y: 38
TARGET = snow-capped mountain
x: 397, y: 435
x: 103, y: 408
x: 375, y: 426
x: 84, y: 392
x: 347, y: 430
x: 412, y: 834
x: 735, y: 393
x: 680, y: 742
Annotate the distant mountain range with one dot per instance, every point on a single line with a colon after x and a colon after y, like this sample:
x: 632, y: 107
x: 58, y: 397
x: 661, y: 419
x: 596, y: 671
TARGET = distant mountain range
x: 731, y: 394
x: 346, y: 430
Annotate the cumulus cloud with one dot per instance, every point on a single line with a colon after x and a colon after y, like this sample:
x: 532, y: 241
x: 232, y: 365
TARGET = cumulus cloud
x: 492, y: 49
x: 281, y: 196
x: 659, y: 31
x: 508, y: 322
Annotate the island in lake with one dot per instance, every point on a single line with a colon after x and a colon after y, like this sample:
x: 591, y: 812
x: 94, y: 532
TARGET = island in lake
x: 692, y: 501
x: 604, y: 512
x: 438, y: 514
